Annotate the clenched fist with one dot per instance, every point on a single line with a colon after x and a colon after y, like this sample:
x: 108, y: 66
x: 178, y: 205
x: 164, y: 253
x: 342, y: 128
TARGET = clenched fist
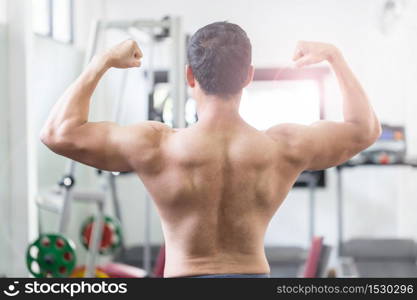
x: 124, y: 55
x: 308, y: 53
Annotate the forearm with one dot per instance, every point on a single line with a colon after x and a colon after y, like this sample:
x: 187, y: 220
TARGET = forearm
x: 357, y: 108
x: 72, y: 108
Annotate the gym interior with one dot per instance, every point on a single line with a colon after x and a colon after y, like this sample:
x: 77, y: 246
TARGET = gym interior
x: 358, y: 219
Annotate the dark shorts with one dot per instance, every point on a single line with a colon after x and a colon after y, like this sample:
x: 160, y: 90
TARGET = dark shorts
x: 232, y: 276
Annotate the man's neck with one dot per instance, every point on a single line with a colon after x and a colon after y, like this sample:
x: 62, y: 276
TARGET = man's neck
x: 217, y: 110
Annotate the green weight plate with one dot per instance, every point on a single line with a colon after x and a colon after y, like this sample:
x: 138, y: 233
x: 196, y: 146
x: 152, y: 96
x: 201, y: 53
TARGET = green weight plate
x: 51, y: 255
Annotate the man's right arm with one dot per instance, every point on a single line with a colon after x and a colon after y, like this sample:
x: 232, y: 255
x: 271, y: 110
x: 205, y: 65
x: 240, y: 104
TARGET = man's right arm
x: 324, y: 143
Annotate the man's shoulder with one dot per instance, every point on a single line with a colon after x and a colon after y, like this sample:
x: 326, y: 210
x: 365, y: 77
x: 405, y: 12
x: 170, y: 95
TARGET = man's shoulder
x: 285, y: 130
x: 290, y: 139
x: 152, y: 130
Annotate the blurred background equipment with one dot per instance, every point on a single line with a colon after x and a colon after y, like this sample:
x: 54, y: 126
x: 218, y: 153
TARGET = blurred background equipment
x: 377, y: 257
x: 51, y: 255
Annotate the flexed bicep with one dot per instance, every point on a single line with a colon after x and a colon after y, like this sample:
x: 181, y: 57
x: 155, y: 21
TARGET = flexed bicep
x: 329, y: 144
x: 322, y: 145
x: 109, y: 146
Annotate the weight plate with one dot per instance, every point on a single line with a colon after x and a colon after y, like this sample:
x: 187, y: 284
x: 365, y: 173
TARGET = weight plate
x: 51, y: 255
x: 111, y: 234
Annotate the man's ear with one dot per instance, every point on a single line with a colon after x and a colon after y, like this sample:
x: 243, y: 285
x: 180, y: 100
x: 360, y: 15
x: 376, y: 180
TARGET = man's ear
x: 190, y: 76
x: 251, y: 73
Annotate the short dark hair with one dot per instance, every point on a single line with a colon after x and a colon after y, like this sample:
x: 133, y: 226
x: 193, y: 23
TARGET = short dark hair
x: 220, y: 55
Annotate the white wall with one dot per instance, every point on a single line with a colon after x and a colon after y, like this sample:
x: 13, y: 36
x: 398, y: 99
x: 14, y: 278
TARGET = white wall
x: 4, y: 192
x: 3, y: 8
x: 20, y: 163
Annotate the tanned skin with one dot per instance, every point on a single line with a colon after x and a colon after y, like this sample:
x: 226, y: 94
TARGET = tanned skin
x: 218, y: 183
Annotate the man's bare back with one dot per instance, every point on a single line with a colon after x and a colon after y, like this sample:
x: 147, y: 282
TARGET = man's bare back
x: 216, y: 194
x: 217, y: 183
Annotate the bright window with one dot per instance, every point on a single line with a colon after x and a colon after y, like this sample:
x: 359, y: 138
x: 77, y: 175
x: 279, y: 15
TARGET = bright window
x: 267, y: 103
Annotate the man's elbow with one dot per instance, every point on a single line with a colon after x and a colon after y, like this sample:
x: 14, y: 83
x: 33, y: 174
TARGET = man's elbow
x: 378, y: 130
x: 54, y: 139
x: 370, y: 136
x: 375, y: 132
x: 47, y: 136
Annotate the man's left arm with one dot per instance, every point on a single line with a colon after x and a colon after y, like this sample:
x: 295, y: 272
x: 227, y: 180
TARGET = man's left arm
x: 104, y: 145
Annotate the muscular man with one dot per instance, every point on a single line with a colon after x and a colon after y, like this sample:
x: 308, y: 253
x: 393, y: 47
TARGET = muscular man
x: 218, y: 183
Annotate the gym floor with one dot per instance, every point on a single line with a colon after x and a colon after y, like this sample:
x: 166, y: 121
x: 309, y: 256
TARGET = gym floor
x: 361, y: 217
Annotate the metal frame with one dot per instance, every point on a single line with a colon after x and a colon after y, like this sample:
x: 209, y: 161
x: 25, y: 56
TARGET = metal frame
x: 339, y: 208
x: 311, y: 178
x: 177, y: 72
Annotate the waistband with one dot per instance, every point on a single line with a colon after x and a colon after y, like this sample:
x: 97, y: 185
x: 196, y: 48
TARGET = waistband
x: 231, y: 276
